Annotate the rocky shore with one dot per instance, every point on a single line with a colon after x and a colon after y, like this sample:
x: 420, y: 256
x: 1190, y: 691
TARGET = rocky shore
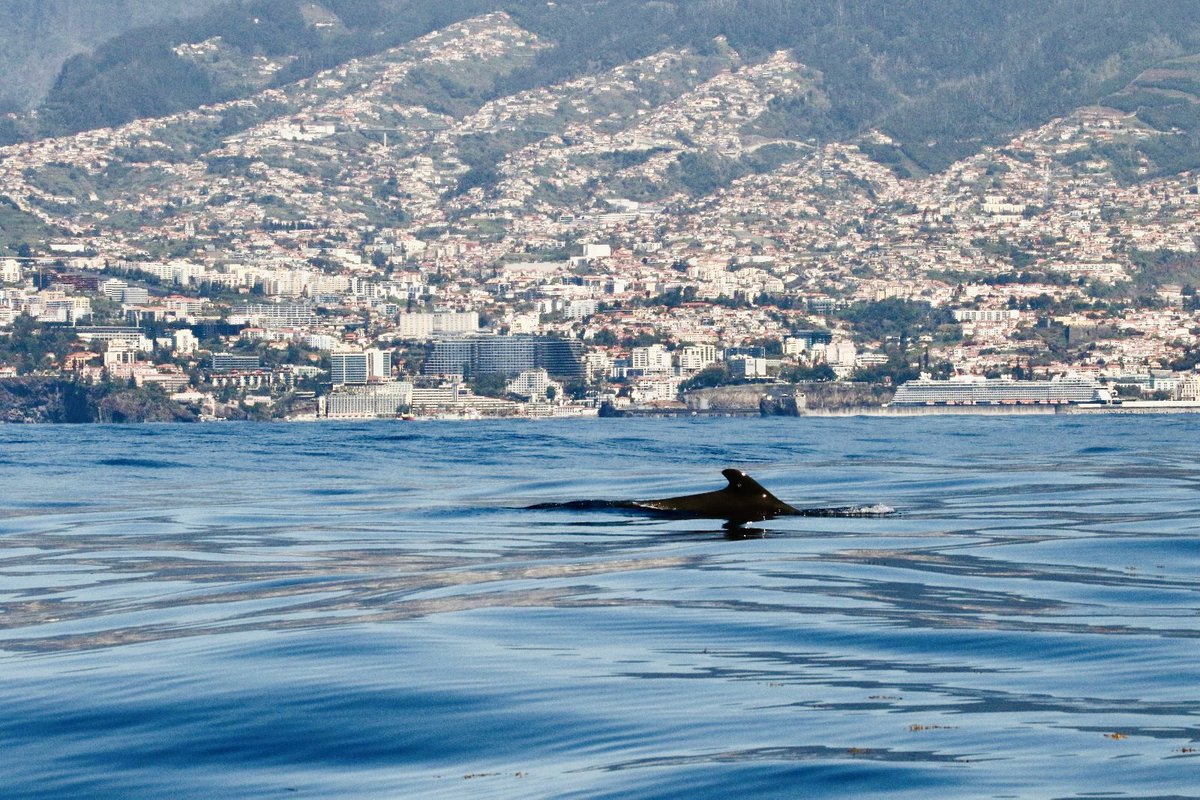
x: 56, y: 400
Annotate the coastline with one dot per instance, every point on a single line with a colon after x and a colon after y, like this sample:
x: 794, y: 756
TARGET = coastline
x: 1132, y: 407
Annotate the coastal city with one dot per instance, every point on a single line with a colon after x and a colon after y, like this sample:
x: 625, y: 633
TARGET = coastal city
x: 370, y: 242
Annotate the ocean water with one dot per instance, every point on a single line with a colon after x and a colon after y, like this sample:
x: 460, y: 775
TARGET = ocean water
x: 367, y: 610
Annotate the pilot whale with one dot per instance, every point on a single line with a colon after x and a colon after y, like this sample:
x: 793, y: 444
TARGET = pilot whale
x: 743, y: 500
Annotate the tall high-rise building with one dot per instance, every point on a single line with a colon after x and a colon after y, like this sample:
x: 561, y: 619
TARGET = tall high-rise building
x: 450, y: 357
x: 507, y: 355
x: 355, y: 368
x: 560, y: 357
x: 348, y: 368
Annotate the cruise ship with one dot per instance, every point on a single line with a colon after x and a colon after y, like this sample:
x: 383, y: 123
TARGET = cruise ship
x: 975, y: 390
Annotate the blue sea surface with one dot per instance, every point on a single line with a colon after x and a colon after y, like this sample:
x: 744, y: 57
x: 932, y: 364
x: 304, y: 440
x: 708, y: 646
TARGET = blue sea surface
x: 366, y: 610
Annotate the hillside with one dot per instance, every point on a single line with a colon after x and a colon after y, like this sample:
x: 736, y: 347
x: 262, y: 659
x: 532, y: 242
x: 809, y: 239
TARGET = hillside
x: 940, y: 78
x: 437, y: 134
x: 414, y: 127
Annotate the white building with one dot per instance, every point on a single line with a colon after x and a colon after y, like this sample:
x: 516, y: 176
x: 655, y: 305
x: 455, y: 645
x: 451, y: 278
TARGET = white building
x: 380, y: 400
x: 748, y: 367
x: 997, y: 206
x: 103, y: 333
x: 422, y: 325
x: 321, y: 341
x: 275, y: 315
x: 579, y: 309
x: 10, y: 271
x: 697, y: 356
x: 120, y: 351
x: 652, y: 359
x: 870, y: 360
x: 121, y: 292
x: 596, y: 364
x: 184, y: 306
x: 1164, y: 380
x: 533, y: 384
x: 1189, y: 387
x: 793, y: 346
x: 180, y: 272
x: 656, y: 389
x: 1001, y: 315
x: 185, y: 341
x: 597, y: 251
x: 379, y: 365
x: 60, y: 307
x: 841, y: 353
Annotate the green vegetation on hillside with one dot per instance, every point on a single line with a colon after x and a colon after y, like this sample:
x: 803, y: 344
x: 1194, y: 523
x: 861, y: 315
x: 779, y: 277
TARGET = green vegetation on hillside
x: 30, y: 347
x: 18, y: 228
x: 901, y: 321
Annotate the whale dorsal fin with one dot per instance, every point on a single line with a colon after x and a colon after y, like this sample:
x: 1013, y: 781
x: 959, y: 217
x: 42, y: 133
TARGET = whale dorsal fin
x: 743, y: 485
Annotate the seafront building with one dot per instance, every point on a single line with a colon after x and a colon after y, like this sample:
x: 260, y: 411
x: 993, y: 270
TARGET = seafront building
x: 381, y: 400
x: 457, y: 400
x: 534, y: 383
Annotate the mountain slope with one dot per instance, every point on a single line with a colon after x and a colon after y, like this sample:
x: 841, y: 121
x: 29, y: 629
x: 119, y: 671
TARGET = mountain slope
x: 941, y: 78
x: 706, y: 162
x: 36, y: 38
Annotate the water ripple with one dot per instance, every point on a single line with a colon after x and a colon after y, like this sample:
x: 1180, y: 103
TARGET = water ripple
x: 361, y: 610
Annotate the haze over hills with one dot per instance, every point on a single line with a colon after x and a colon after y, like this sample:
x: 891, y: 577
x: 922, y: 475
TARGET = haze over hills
x: 37, y: 37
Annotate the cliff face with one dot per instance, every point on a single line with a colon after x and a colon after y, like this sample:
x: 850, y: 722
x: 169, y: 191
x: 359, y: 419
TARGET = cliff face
x: 840, y: 396
x: 786, y: 399
x: 745, y: 399
x: 34, y: 400
x: 138, y: 406
x: 42, y: 400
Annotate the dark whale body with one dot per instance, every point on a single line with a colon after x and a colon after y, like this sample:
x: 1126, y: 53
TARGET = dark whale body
x: 743, y: 500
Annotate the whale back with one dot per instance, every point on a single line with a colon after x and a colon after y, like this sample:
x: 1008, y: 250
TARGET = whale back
x: 743, y: 500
